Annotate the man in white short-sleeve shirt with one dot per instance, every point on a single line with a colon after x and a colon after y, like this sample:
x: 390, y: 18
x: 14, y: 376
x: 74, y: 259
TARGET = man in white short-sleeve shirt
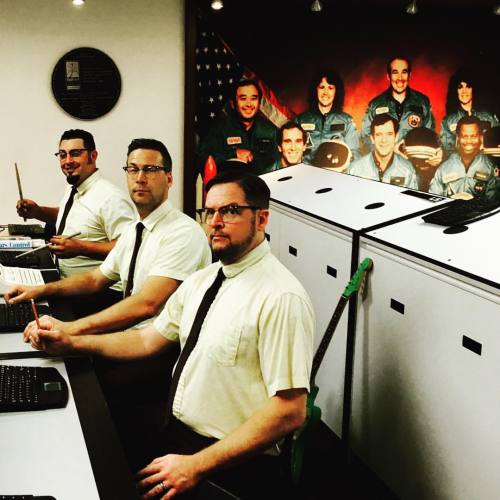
x: 244, y: 386
x: 172, y: 247
x: 99, y: 211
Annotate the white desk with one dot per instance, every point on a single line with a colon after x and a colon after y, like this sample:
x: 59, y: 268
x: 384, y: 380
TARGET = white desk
x: 316, y: 218
x: 44, y: 452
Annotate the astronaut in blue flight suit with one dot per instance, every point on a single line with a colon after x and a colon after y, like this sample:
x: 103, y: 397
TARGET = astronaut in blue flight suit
x: 408, y: 106
x: 291, y: 145
x: 467, y: 173
x: 383, y: 164
x: 324, y: 120
x: 460, y: 103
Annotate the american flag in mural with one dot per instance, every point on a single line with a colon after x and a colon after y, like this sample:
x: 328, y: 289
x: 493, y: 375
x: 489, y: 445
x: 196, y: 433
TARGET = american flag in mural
x: 217, y: 70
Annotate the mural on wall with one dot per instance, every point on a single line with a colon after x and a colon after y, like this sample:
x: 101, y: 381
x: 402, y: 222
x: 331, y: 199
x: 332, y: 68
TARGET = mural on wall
x: 420, y: 113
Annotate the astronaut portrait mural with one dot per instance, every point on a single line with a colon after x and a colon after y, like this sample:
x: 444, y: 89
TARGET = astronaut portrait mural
x: 387, y: 106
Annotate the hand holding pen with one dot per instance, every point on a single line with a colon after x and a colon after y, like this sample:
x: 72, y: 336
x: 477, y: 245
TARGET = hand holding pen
x: 53, y: 242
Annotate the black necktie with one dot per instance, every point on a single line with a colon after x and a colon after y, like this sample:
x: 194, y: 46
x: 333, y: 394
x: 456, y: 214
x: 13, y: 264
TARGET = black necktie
x: 67, y: 208
x: 138, y: 238
x: 205, y: 304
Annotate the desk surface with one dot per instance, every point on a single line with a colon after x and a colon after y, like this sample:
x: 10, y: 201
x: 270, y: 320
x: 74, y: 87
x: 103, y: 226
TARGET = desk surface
x: 474, y: 253
x: 42, y: 450
x: 347, y: 197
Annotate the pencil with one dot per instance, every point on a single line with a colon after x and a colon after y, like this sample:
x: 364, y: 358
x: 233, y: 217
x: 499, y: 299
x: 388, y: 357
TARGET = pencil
x: 35, y: 313
x: 44, y: 246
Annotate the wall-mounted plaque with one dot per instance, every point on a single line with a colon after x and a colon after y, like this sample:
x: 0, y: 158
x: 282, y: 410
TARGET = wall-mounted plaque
x: 86, y: 83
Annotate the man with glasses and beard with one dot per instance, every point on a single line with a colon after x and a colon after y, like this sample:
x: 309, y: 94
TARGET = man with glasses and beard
x: 92, y: 206
x: 245, y: 326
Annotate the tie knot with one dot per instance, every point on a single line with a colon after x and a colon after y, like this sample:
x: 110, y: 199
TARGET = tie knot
x: 139, y: 228
x: 220, y: 275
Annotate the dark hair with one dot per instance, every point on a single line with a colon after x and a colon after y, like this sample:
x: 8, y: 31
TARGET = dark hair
x: 244, y: 83
x: 76, y: 133
x: 461, y: 75
x: 289, y: 126
x: 332, y: 77
x: 155, y: 146
x: 469, y: 120
x: 403, y: 58
x: 257, y: 193
x: 381, y: 119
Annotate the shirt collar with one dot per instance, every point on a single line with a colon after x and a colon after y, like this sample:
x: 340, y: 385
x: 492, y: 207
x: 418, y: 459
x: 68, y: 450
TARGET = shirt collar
x: 156, y: 215
x: 88, y: 182
x: 248, y: 260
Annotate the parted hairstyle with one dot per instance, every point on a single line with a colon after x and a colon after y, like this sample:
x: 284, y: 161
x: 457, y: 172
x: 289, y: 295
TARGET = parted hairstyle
x: 400, y: 57
x: 244, y: 83
x: 289, y: 126
x: 257, y: 193
x: 155, y: 146
x: 76, y: 133
x: 333, y: 78
x: 381, y: 119
x: 461, y: 75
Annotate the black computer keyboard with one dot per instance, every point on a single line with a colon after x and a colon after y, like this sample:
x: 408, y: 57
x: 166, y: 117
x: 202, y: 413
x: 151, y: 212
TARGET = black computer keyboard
x: 14, y: 317
x: 8, y: 258
x: 32, y: 230
x: 31, y: 388
x: 25, y: 497
x: 462, y: 212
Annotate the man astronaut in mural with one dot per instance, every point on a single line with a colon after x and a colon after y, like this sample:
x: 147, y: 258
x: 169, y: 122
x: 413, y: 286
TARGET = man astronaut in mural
x: 291, y: 145
x: 383, y: 164
x: 242, y: 135
x: 408, y: 106
x: 467, y: 173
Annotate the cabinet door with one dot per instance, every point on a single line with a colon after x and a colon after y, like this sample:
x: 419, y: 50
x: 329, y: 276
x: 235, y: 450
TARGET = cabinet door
x: 426, y: 402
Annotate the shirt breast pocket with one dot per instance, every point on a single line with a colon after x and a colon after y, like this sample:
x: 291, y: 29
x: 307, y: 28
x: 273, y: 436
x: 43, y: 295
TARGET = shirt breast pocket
x: 223, y: 347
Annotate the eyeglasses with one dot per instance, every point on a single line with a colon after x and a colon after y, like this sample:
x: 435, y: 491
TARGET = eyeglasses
x: 73, y: 153
x: 147, y: 169
x: 228, y: 213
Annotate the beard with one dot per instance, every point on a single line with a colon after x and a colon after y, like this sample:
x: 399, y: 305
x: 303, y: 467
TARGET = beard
x: 72, y: 180
x: 233, y: 251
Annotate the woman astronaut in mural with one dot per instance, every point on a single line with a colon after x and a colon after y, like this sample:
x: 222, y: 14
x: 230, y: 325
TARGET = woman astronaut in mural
x: 325, y: 120
x: 460, y: 103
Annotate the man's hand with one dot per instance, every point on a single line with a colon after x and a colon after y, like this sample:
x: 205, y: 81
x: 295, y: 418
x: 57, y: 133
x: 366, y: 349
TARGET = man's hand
x: 168, y: 476
x: 435, y: 160
x: 27, y: 209
x: 64, y: 247
x: 244, y: 155
x: 47, y: 338
x: 21, y: 293
x: 30, y: 332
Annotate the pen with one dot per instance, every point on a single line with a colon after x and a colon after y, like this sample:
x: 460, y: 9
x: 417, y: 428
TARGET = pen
x: 44, y: 246
x: 35, y: 313
x: 19, y: 188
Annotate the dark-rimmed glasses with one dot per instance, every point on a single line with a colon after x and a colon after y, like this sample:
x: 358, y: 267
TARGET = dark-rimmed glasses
x: 228, y: 213
x: 147, y: 170
x: 73, y: 153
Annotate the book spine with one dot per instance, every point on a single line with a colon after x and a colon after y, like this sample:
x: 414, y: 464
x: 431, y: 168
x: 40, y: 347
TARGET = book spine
x: 16, y: 244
